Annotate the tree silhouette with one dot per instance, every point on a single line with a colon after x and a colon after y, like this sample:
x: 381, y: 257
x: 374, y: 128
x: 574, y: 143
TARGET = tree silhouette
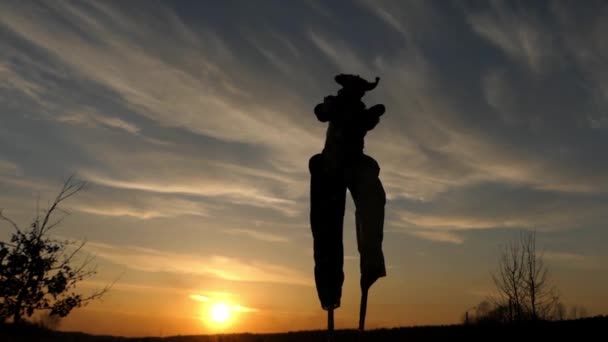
x: 541, y: 295
x: 37, y: 271
x: 523, y: 283
x: 509, y: 280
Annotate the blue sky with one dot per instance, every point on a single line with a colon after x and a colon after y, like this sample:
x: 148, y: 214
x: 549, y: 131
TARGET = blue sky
x: 193, y: 124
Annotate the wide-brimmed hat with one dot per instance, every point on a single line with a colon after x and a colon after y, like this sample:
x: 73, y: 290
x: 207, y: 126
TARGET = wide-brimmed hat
x: 355, y: 82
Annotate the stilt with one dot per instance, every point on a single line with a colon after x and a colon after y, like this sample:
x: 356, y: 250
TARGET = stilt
x: 363, y: 308
x: 330, y: 324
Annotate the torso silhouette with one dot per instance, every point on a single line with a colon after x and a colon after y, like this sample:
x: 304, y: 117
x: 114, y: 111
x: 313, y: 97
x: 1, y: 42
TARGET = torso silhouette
x: 349, y: 122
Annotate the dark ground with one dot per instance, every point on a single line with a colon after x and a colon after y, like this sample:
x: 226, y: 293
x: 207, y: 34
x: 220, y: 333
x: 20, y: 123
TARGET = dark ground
x: 587, y: 329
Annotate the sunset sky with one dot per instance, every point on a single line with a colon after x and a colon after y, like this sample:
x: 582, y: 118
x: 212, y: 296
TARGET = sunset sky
x: 193, y: 124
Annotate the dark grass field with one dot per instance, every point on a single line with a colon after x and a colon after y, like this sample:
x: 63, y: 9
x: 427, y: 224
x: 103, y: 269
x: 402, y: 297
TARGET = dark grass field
x: 587, y: 329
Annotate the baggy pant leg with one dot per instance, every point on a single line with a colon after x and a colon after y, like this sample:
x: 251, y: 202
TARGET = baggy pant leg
x: 369, y: 197
x: 327, y: 201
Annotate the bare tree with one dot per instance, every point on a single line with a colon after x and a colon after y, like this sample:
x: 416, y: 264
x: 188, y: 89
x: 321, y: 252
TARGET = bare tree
x: 541, y: 295
x: 509, y: 279
x: 523, y: 282
x: 38, y: 272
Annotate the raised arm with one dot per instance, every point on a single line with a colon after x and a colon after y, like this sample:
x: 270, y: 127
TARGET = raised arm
x: 324, y: 110
x: 372, y: 116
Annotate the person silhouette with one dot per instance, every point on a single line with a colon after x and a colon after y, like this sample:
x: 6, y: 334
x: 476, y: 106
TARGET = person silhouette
x: 343, y: 165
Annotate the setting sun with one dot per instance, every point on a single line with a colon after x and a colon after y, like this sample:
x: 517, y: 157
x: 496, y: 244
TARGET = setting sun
x: 220, y: 313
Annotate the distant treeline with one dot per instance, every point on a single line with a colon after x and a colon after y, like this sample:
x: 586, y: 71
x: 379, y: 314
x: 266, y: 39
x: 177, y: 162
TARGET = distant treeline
x: 584, y: 329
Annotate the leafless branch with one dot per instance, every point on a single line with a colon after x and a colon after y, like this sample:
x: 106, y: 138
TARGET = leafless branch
x: 70, y: 187
x: 12, y: 223
x: 8, y: 244
x: 69, y: 258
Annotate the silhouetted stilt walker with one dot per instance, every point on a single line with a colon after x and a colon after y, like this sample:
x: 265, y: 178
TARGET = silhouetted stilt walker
x: 343, y: 165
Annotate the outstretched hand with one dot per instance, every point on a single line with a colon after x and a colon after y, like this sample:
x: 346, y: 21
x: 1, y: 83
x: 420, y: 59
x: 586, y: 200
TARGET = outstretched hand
x: 377, y: 110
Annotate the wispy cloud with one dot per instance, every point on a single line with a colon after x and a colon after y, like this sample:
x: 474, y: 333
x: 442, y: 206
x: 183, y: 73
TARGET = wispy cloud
x: 563, y: 256
x: 144, y: 207
x: 231, y: 191
x: 10, y: 79
x: 171, y: 96
x: 258, y: 235
x: 224, y: 267
x: 200, y: 298
x: 438, y: 221
x: 234, y: 308
x: 439, y: 236
x: 579, y: 261
x: 413, y: 20
x: 517, y: 33
x: 88, y: 117
x: 340, y: 54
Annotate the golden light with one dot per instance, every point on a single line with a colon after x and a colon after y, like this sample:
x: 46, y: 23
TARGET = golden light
x: 220, y: 313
